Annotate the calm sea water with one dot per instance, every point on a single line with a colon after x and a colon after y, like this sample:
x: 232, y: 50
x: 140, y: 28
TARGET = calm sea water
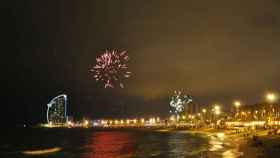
x: 90, y: 143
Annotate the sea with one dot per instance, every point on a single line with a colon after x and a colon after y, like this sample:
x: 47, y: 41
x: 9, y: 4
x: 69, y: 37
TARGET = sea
x: 111, y: 143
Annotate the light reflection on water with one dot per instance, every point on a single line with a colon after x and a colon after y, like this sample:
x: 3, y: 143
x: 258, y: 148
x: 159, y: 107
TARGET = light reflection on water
x: 217, y: 142
x: 231, y: 153
x: 222, y: 147
x: 87, y: 143
x: 124, y: 144
x: 42, y: 151
x: 182, y: 146
x: 109, y: 145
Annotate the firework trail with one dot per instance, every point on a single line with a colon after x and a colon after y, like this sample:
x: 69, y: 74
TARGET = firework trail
x: 178, y: 100
x: 111, y: 68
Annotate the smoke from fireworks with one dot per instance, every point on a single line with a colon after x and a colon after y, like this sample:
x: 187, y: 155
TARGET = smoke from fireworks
x: 111, y: 68
x: 178, y: 101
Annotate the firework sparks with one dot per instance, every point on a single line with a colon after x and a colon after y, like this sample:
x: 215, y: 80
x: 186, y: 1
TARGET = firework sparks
x: 111, y: 68
x: 178, y: 101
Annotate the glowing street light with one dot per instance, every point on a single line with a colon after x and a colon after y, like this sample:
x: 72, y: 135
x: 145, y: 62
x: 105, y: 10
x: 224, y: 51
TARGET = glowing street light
x: 158, y: 119
x: 217, y: 112
x: 134, y: 121
x: 237, y: 104
x: 271, y: 97
x: 69, y: 123
x: 103, y: 122
x: 217, y: 107
x: 152, y: 120
x: 86, y: 122
x: 204, y: 110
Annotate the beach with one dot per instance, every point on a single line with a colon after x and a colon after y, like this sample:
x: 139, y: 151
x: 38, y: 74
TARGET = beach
x: 265, y: 146
x: 116, y: 143
x: 246, y: 144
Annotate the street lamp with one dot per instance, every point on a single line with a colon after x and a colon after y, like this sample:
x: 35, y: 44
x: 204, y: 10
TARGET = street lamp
x: 86, y: 123
x: 237, y: 104
x: 142, y: 120
x: 204, y: 110
x: 271, y: 97
x: 204, y: 114
x: 217, y: 107
x: 217, y: 112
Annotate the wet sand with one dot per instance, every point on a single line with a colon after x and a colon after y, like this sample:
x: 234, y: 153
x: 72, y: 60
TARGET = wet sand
x: 266, y: 146
x: 223, y: 143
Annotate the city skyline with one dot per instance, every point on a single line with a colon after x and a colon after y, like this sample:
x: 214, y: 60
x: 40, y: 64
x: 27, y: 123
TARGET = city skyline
x: 214, y: 51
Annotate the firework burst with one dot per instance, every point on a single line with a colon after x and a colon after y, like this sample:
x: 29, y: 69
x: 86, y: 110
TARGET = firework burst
x: 178, y: 100
x: 111, y: 68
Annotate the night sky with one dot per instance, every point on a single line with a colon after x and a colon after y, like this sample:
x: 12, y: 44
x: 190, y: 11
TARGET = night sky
x: 216, y: 51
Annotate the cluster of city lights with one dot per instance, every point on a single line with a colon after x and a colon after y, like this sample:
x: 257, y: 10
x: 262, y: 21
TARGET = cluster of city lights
x: 261, y: 115
x: 217, y: 109
x: 241, y: 118
x: 128, y: 122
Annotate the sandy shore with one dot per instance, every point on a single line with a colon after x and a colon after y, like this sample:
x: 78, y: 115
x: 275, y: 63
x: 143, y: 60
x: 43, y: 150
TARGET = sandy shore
x: 266, y: 146
x: 222, y: 143
x: 241, y: 145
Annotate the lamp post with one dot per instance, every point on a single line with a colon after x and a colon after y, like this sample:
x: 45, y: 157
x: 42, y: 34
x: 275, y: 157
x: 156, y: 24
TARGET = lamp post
x: 236, y: 104
x: 217, y: 107
x: 204, y: 115
x: 271, y: 98
x: 216, y: 112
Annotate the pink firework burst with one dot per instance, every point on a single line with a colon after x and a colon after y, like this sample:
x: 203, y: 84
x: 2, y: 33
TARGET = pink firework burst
x: 111, y: 68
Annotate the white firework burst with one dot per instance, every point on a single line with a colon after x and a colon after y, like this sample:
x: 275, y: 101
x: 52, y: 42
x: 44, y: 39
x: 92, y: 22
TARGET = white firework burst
x: 178, y: 101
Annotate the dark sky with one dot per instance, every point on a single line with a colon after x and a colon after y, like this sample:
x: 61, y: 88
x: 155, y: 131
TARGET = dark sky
x: 214, y: 50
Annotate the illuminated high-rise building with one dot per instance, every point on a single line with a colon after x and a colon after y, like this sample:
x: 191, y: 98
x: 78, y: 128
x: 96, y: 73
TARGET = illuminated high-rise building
x: 57, y: 108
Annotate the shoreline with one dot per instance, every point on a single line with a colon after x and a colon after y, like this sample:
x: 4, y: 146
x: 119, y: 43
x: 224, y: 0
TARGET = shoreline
x: 232, y: 144
x: 226, y: 143
x: 263, y: 145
